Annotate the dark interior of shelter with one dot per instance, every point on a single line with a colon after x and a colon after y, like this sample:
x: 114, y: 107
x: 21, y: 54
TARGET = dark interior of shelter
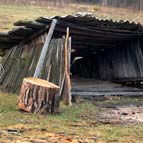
x: 121, y: 62
x: 107, y: 62
x: 115, y: 68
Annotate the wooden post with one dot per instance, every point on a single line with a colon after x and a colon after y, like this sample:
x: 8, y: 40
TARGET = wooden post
x: 38, y: 96
x: 45, y: 49
x: 69, y: 52
x: 67, y: 70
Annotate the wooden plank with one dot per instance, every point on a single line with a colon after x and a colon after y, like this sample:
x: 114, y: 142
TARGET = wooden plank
x: 45, y: 48
x: 30, y: 24
x: 107, y: 93
x: 21, y: 31
x: 92, y: 87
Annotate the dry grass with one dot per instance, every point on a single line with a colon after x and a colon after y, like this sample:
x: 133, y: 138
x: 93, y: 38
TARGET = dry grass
x: 10, y: 14
x: 32, y: 126
x: 79, y: 122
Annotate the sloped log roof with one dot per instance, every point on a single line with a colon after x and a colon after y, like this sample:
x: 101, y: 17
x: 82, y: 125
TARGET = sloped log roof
x: 86, y: 31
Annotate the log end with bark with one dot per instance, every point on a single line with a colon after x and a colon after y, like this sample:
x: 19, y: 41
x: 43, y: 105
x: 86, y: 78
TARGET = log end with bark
x: 38, y: 96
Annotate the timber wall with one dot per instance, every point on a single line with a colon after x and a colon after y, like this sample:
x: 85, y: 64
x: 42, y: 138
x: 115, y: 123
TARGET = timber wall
x: 21, y: 62
x: 121, y: 63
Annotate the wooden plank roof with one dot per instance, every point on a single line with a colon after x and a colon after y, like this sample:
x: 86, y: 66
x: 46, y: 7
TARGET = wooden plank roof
x: 86, y: 31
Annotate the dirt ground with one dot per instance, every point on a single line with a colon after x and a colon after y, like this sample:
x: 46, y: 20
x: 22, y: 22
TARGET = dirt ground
x: 119, y: 110
x: 131, y: 114
x: 47, y: 136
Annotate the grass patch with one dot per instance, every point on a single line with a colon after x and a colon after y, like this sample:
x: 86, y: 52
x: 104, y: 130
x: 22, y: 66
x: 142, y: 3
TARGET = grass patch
x: 70, y: 121
x: 120, y: 133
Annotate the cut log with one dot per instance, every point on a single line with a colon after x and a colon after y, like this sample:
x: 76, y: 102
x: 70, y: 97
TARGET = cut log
x: 38, y: 96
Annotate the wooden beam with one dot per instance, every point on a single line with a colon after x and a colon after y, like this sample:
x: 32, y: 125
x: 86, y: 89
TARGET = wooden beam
x: 30, y: 24
x: 21, y: 31
x: 45, y: 49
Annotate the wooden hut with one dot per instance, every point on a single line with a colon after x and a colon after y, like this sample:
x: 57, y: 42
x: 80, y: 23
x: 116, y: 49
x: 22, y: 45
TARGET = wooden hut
x: 99, y: 51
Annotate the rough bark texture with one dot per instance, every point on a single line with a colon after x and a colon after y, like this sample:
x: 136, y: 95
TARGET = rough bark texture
x: 38, y: 96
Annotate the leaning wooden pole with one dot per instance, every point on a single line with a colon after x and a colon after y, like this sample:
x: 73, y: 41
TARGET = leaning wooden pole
x: 67, y: 70
x: 45, y: 49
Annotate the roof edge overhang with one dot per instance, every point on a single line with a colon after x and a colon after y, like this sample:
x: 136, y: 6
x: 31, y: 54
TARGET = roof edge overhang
x: 84, y: 28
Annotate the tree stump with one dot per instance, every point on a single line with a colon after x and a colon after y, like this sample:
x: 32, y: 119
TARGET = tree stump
x: 38, y: 96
